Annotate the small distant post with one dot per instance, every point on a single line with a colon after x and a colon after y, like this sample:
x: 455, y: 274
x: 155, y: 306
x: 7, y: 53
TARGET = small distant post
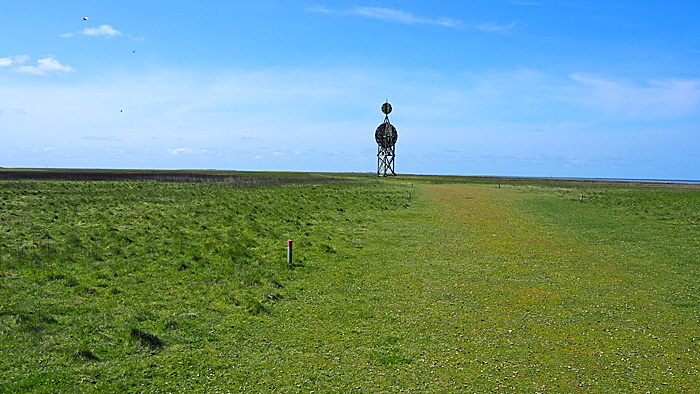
x: 289, y: 252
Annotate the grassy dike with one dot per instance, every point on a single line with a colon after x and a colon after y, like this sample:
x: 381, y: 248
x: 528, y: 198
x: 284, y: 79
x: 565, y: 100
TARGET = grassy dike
x: 462, y: 288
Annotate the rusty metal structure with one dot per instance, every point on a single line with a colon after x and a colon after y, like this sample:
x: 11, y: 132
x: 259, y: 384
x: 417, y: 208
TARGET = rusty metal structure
x: 386, y: 136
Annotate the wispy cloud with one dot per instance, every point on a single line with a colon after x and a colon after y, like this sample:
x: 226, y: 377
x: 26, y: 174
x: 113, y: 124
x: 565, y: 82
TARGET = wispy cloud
x: 102, y: 138
x: 516, y: 113
x: 654, y: 100
x: 45, y: 66
x: 12, y: 112
x: 398, y: 16
x: 393, y: 15
x: 492, y: 27
x: 103, y: 30
x: 318, y: 8
x: 525, y: 3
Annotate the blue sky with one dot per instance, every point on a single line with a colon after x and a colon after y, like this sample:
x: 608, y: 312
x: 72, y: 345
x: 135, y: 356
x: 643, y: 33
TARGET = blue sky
x: 485, y: 87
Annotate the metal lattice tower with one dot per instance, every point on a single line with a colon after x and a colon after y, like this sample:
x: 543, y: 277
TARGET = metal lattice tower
x: 386, y: 136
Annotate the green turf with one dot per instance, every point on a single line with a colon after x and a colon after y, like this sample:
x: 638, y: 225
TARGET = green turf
x: 173, y: 287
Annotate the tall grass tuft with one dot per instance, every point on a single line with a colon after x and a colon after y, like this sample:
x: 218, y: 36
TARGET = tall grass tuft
x: 147, y: 339
x: 87, y: 355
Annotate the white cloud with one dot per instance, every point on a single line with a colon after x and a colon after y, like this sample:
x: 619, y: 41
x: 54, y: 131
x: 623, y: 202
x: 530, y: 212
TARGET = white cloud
x: 179, y: 151
x: 103, y: 30
x: 392, y: 15
x: 44, y: 66
x: 13, y: 60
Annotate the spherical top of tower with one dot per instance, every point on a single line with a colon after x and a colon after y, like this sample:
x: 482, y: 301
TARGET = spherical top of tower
x: 386, y: 135
x: 386, y: 108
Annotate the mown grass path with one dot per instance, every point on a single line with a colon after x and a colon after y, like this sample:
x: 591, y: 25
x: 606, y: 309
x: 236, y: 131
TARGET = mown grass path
x: 464, y: 292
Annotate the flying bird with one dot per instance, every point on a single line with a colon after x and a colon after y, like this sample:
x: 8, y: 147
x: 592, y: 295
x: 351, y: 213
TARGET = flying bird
x: 85, y: 18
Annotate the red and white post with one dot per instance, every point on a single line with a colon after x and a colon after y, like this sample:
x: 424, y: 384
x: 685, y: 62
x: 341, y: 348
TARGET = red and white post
x: 289, y: 252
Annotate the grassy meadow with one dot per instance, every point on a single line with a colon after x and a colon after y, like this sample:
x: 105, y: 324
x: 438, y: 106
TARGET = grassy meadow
x: 408, y: 284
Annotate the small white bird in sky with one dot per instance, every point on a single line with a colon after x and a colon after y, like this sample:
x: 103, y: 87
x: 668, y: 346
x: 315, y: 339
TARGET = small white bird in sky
x: 85, y: 18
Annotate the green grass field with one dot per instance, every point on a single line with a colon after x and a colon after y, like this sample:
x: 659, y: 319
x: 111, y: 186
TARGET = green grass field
x: 470, y: 285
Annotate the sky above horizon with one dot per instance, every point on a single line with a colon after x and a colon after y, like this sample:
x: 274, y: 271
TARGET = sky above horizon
x: 562, y: 88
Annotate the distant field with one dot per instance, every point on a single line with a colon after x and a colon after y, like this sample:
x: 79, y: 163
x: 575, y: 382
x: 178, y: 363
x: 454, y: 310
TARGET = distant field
x: 202, y: 176
x: 178, y: 282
